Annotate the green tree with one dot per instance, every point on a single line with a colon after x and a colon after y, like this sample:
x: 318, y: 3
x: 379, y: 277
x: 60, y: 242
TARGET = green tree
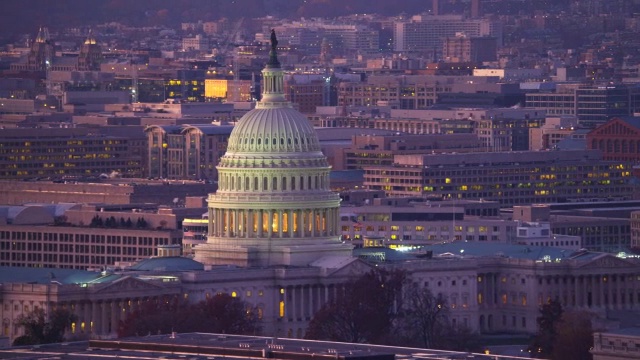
x: 542, y: 343
x: 42, y: 329
x: 363, y: 312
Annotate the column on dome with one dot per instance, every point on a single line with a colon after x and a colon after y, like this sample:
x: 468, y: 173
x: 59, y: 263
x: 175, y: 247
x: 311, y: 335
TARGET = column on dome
x: 300, y: 228
x: 270, y: 223
x: 212, y: 222
x: 250, y: 223
x: 280, y: 217
x: 260, y: 216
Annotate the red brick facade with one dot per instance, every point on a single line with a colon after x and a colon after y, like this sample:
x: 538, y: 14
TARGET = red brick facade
x: 618, y: 139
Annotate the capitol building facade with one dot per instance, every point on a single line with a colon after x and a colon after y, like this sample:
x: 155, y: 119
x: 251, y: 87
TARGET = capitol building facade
x: 273, y: 205
x: 274, y: 242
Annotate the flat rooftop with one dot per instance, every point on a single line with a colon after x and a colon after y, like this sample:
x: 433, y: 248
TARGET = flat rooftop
x: 216, y: 346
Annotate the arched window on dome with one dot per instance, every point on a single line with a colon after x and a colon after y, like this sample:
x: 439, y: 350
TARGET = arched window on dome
x: 289, y: 141
x: 316, y: 183
x: 275, y: 183
x: 274, y: 141
x: 232, y: 184
x: 246, y: 183
x: 309, y: 183
x: 246, y: 140
x: 265, y: 184
x: 239, y: 182
x: 255, y: 183
x: 295, y: 141
x: 301, y: 182
x: 259, y: 141
x: 293, y: 183
x: 284, y: 183
x: 281, y: 141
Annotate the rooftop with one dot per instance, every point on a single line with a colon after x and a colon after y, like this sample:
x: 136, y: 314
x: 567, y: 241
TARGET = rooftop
x: 211, y: 346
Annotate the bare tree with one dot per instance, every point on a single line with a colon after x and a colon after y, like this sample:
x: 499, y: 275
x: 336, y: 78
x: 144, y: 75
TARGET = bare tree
x: 424, y: 316
x: 364, y: 312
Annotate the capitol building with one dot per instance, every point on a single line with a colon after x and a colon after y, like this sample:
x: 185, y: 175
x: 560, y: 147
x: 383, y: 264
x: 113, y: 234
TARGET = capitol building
x: 274, y: 241
x: 273, y: 205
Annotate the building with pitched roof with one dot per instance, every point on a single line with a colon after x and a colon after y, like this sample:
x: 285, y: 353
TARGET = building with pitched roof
x: 618, y: 139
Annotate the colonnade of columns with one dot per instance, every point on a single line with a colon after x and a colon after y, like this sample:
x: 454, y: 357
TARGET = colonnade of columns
x: 273, y: 223
x: 411, y: 127
x: 103, y: 317
x: 287, y: 182
x: 303, y: 301
x: 611, y: 291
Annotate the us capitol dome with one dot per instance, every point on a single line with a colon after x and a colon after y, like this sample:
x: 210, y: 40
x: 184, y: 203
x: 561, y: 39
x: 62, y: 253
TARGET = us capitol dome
x: 273, y: 205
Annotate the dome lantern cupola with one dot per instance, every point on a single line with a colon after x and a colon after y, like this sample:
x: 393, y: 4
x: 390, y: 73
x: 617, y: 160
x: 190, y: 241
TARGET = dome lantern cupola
x: 273, y: 205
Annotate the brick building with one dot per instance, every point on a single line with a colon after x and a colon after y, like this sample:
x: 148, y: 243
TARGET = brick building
x: 618, y: 139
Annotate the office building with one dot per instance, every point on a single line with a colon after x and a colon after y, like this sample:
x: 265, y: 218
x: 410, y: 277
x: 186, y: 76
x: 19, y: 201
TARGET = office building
x: 463, y: 49
x: 598, y: 104
x: 424, y: 33
x: 512, y: 178
x: 71, y: 152
x: 372, y: 150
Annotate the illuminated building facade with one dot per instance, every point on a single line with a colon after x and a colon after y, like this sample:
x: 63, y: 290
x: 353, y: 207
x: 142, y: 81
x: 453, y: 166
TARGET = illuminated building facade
x: 408, y: 92
x: 90, y: 55
x: 70, y: 247
x: 273, y: 205
x: 41, y: 51
x: 409, y: 226
x: 490, y: 288
x: 512, y: 178
x: 228, y: 89
x: 186, y: 152
x: 555, y: 104
x: 372, y: 150
x: 70, y: 152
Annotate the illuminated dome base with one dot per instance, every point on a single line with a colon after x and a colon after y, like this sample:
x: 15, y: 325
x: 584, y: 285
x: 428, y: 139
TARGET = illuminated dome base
x: 274, y: 205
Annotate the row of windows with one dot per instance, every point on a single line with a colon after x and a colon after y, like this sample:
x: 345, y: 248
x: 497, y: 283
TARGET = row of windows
x: 85, y: 238
x: 285, y: 183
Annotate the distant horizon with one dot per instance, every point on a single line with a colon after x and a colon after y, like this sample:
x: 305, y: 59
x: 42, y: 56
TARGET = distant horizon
x: 25, y: 17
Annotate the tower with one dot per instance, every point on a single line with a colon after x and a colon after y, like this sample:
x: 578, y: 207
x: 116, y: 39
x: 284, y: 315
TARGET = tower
x: 435, y: 7
x: 41, y: 53
x: 475, y: 9
x: 273, y: 205
x: 90, y: 54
